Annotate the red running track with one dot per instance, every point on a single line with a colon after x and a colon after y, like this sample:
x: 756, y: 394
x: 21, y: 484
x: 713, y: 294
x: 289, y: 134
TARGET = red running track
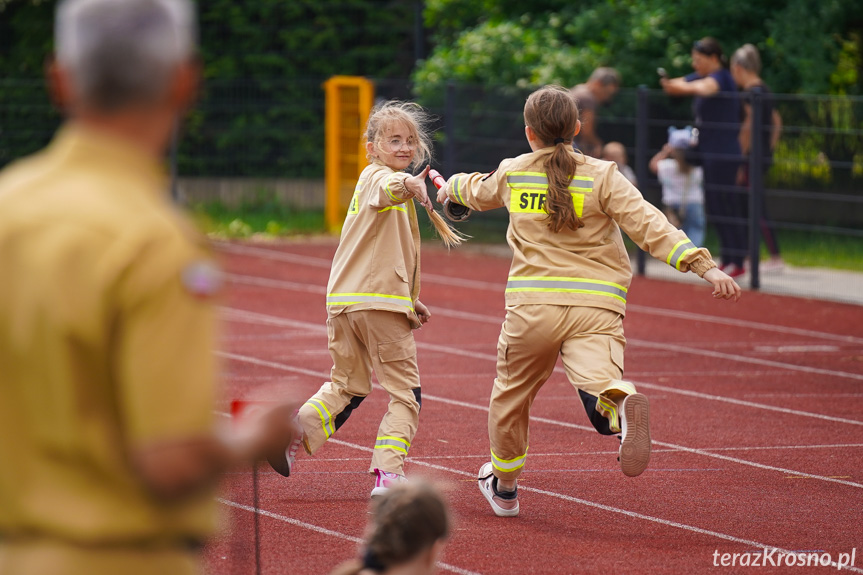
x: 756, y: 423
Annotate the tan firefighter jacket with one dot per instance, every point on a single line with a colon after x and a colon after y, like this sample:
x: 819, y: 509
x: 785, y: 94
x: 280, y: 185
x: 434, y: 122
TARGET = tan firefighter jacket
x: 377, y: 263
x: 588, y: 266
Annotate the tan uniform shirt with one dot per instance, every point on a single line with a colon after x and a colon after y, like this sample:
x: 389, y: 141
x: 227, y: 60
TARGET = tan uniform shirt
x: 589, y: 266
x: 377, y: 263
x: 106, y: 338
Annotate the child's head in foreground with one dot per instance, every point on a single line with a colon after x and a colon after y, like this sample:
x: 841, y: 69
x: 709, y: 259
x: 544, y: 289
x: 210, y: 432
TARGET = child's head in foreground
x: 397, y: 135
x: 409, y: 528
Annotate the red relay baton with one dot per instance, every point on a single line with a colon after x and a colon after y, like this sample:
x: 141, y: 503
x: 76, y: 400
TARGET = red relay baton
x: 453, y: 211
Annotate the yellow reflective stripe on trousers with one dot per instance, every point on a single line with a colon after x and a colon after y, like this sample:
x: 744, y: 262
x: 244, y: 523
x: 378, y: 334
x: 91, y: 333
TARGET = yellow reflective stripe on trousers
x: 352, y: 298
x: 326, y: 420
x: 508, y: 464
x: 399, y: 208
x: 390, y: 442
x: 679, y: 251
x: 608, y: 408
x: 565, y: 285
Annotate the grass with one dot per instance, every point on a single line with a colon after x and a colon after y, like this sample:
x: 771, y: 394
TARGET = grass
x: 268, y: 219
x: 265, y: 219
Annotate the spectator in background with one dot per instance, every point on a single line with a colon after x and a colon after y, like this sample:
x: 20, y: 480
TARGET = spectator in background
x: 615, y: 152
x: 108, y: 450
x: 717, y: 117
x: 682, y: 184
x: 746, y: 70
x: 409, y: 528
x: 599, y: 89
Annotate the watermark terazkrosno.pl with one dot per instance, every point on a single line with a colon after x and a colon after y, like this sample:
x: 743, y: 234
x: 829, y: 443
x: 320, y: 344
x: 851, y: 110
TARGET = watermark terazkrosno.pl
x: 779, y: 558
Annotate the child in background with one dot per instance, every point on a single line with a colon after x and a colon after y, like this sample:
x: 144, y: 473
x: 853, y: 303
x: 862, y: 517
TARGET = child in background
x: 615, y: 152
x: 372, y: 297
x: 682, y: 184
x: 409, y: 528
x: 567, y: 288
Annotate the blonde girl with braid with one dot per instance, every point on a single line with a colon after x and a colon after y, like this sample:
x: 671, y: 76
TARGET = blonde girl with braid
x: 373, y: 298
x: 567, y: 287
x: 409, y: 528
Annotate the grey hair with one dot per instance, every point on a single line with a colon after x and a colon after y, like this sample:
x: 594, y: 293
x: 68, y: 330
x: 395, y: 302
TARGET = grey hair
x: 605, y: 76
x: 122, y: 52
x: 747, y: 57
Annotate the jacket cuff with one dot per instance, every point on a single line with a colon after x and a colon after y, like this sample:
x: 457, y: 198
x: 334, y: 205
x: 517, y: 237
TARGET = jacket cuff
x: 701, y: 265
x: 396, y: 189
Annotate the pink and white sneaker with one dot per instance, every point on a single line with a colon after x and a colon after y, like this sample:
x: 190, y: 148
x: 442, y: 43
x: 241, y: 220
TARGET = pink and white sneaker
x: 503, y: 503
x: 284, y: 464
x: 384, y: 480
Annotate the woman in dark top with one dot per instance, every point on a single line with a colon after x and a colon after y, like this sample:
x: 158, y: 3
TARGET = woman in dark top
x: 717, y: 117
x: 745, y: 68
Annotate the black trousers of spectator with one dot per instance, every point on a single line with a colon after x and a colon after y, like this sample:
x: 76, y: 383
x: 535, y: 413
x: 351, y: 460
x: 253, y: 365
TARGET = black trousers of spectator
x: 727, y: 209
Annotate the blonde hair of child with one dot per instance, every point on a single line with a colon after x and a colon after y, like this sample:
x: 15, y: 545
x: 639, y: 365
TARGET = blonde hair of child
x: 552, y: 114
x: 412, y: 115
x: 406, y: 521
x: 386, y: 114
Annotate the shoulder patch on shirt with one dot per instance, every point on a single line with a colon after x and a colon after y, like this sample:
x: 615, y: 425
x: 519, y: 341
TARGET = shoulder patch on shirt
x: 488, y: 175
x: 202, y: 278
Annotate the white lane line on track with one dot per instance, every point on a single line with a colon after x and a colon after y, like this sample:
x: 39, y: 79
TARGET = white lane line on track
x: 484, y: 408
x: 325, y: 531
x: 664, y: 347
x: 498, y: 287
x: 240, y: 315
x: 600, y: 506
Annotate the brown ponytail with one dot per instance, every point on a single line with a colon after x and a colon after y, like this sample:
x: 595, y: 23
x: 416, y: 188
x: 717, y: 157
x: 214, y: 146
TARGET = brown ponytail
x: 552, y: 114
x: 409, y: 519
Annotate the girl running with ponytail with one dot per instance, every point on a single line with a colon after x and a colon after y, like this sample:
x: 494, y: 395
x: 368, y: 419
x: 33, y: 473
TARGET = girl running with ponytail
x: 567, y: 289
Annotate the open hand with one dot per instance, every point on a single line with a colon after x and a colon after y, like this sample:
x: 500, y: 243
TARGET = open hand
x: 416, y: 187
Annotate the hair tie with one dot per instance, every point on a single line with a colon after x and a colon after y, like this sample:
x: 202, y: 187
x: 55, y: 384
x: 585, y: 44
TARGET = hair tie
x: 371, y: 561
x: 559, y: 141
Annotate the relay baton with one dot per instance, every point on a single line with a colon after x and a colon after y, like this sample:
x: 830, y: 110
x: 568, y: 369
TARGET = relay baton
x: 453, y: 211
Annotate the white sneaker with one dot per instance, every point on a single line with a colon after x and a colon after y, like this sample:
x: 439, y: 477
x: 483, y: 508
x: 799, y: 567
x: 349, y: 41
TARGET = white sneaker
x: 284, y: 464
x: 635, y: 434
x: 504, y: 504
x: 384, y: 480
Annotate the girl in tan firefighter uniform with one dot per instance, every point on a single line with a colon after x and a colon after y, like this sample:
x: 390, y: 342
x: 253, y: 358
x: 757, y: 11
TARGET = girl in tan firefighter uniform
x: 372, y: 297
x: 566, y: 293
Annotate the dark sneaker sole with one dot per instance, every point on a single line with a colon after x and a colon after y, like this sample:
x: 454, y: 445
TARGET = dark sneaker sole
x: 635, y: 449
x: 280, y: 465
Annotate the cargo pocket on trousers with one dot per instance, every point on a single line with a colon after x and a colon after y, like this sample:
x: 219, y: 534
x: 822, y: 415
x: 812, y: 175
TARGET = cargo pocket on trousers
x: 617, y: 354
x: 502, y: 365
x: 395, y: 356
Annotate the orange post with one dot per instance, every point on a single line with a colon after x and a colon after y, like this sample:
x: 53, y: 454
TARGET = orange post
x: 348, y: 105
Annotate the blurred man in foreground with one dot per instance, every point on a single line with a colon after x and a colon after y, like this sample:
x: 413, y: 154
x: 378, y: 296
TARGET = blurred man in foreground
x: 107, y: 439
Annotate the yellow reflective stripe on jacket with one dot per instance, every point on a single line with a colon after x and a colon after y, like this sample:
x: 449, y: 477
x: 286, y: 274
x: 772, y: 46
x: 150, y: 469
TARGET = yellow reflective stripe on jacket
x: 566, y: 285
x: 352, y: 298
x: 399, y: 208
x: 456, y: 190
x: 508, y: 464
x: 326, y: 420
x: 390, y: 193
x: 389, y: 442
x: 679, y: 251
x: 529, y: 192
x: 354, y: 207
